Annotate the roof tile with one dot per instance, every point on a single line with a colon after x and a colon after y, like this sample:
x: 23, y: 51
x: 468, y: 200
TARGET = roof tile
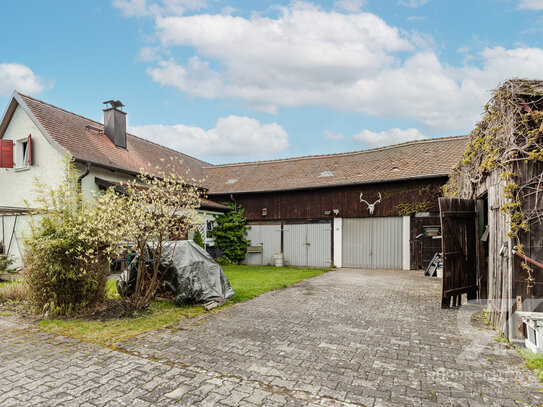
x: 414, y: 159
x: 70, y: 131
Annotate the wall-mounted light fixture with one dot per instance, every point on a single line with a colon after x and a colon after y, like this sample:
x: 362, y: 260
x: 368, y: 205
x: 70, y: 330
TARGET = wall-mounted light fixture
x: 336, y: 212
x: 327, y: 212
x: 264, y: 211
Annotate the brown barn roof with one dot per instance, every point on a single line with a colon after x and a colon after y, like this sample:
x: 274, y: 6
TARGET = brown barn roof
x: 413, y: 159
x: 84, y: 139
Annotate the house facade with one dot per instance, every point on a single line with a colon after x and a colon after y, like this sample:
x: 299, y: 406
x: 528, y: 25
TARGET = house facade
x: 370, y: 209
x: 36, y: 137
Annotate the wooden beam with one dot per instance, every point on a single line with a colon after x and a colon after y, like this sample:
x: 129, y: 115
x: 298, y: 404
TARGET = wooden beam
x: 460, y: 290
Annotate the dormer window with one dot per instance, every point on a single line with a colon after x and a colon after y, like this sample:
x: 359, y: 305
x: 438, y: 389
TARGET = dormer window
x: 23, y: 153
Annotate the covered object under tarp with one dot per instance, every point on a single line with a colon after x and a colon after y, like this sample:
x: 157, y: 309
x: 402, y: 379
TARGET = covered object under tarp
x: 190, y: 274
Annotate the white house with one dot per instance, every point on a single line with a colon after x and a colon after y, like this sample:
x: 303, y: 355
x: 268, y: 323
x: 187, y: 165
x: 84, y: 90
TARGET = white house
x: 34, y: 139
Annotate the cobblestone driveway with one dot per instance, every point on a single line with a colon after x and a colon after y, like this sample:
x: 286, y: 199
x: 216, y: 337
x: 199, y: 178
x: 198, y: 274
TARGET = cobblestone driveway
x: 358, y: 337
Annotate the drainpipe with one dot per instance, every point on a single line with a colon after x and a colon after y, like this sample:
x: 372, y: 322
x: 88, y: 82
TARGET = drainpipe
x: 235, y: 203
x: 87, y: 170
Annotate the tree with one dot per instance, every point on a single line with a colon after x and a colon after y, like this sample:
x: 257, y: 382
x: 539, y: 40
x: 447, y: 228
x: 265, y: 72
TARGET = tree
x: 230, y: 232
x: 155, y: 208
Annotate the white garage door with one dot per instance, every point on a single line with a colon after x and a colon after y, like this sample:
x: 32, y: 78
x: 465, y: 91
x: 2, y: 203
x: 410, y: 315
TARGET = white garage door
x: 308, y: 245
x: 267, y: 236
x: 372, y: 243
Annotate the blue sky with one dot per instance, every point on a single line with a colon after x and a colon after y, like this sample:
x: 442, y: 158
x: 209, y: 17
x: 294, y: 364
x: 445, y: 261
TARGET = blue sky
x: 230, y: 81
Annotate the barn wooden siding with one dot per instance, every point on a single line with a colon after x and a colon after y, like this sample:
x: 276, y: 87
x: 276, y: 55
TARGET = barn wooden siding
x: 310, y: 205
x: 313, y: 203
x: 506, y: 287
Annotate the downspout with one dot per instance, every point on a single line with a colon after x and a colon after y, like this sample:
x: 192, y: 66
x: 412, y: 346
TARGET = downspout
x: 87, y: 170
x: 233, y: 200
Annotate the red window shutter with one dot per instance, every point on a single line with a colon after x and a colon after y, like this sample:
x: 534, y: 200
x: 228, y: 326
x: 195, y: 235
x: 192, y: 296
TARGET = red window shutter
x: 29, y: 149
x: 6, y: 153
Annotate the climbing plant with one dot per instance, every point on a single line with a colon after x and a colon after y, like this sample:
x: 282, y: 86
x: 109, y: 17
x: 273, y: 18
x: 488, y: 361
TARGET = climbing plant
x: 230, y: 231
x: 509, y: 135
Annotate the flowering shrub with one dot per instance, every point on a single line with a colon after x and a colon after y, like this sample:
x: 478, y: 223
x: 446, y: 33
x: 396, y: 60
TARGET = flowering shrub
x: 156, y: 209
x: 73, y: 242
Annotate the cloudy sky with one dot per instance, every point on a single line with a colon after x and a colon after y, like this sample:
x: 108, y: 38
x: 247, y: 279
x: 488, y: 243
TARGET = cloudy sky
x: 230, y: 81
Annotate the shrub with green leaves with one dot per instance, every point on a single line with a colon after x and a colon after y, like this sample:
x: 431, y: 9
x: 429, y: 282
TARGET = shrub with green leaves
x: 6, y: 264
x: 230, y: 231
x: 67, y: 256
x: 198, y: 239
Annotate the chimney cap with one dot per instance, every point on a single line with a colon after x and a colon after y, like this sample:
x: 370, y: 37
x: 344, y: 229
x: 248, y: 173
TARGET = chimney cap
x: 114, y: 103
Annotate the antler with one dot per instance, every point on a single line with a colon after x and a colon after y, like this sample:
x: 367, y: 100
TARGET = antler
x: 363, y: 200
x: 379, y: 200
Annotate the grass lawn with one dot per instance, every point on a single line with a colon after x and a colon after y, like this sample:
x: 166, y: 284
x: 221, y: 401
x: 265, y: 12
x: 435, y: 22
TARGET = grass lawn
x: 247, y: 281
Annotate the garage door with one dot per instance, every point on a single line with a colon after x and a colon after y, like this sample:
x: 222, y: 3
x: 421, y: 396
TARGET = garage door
x: 267, y: 236
x: 308, y: 245
x: 372, y: 243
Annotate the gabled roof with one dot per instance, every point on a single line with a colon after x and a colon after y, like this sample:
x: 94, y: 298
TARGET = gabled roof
x: 414, y: 159
x: 83, y: 138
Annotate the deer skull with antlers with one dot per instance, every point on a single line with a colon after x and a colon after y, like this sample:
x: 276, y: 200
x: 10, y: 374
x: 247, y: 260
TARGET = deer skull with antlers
x: 371, y: 207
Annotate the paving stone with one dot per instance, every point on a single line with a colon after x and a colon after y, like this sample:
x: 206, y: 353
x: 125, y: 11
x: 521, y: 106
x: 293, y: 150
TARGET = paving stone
x: 178, y: 393
x: 309, y: 344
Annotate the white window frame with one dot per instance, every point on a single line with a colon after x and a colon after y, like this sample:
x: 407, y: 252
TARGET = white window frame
x: 21, y: 154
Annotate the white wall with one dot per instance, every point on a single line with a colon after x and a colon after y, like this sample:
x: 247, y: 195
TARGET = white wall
x: 338, y: 239
x: 17, y: 185
x: 406, y: 247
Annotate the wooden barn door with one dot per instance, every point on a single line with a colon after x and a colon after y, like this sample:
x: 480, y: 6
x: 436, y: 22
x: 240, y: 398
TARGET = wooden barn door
x: 459, y: 235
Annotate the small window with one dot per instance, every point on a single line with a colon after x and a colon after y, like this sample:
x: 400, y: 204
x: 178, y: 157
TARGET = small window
x: 23, y: 153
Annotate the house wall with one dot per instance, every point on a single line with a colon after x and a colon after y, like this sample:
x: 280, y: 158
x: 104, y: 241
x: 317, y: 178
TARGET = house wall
x: 89, y: 188
x: 18, y: 185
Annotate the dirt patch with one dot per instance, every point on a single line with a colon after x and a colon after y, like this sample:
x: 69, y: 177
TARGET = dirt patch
x: 20, y: 312
x: 109, y: 309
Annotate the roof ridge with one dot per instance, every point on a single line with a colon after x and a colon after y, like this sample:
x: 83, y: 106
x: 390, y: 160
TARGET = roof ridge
x: 209, y: 165
x: 348, y: 153
x: 59, y: 108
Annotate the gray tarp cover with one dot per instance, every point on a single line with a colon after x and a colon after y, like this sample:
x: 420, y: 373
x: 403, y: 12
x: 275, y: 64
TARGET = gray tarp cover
x: 191, y: 274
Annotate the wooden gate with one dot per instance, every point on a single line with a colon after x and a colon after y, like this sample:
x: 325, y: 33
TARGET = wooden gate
x: 459, y: 234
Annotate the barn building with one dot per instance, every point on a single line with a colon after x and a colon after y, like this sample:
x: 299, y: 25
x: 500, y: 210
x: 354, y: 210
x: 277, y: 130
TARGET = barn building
x: 493, y: 210
x: 372, y: 209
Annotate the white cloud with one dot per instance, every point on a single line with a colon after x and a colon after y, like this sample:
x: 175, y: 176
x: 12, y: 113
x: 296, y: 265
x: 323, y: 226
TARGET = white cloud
x: 416, y: 18
x: 387, y: 137
x: 307, y: 56
x: 147, y: 54
x: 19, y: 77
x: 332, y: 135
x: 350, y: 5
x: 143, y: 8
x: 531, y: 5
x: 412, y: 3
x: 231, y: 136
